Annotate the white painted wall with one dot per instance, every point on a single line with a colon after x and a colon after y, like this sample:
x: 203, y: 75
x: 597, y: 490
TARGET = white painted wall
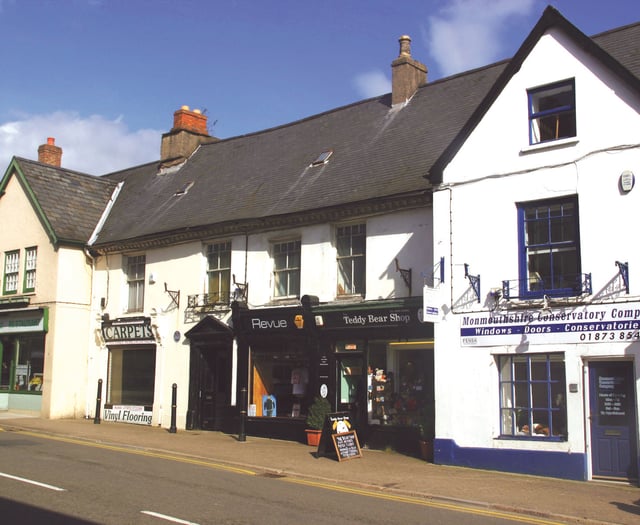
x: 63, y: 281
x: 405, y: 235
x: 476, y: 223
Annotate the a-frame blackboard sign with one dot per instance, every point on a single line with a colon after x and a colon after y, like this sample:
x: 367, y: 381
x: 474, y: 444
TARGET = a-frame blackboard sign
x: 338, y: 438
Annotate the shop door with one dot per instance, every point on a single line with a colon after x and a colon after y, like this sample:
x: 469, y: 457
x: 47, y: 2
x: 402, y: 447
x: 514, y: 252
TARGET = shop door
x: 614, y: 454
x: 209, y: 382
x: 352, y: 387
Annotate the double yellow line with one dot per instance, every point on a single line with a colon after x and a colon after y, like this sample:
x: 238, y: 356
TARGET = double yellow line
x: 317, y: 484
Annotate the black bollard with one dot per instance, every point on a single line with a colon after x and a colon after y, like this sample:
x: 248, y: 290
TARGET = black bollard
x: 174, y: 389
x: 243, y: 414
x: 96, y: 417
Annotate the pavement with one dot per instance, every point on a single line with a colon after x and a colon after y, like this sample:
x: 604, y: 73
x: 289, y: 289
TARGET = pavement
x: 541, y: 499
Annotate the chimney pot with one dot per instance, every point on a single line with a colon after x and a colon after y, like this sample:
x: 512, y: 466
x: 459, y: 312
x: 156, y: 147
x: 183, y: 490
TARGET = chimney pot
x: 405, y: 45
x: 407, y: 74
x: 49, y: 153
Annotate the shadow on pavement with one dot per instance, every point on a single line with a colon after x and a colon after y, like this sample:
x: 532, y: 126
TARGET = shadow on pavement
x: 16, y: 512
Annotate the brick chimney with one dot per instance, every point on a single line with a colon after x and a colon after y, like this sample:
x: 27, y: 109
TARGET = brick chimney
x: 407, y: 74
x: 49, y: 153
x: 188, y: 132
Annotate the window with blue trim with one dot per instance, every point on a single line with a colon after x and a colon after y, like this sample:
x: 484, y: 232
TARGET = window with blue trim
x: 533, y: 396
x: 552, y: 112
x: 549, y: 248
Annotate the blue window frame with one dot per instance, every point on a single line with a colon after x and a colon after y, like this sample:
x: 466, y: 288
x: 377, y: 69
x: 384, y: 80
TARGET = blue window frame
x: 533, y: 396
x: 549, y: 248
x: 552, y: 112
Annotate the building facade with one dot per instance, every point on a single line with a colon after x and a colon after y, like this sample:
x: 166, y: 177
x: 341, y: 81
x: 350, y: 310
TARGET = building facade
x: 47, y: 214
x: 539, y: 309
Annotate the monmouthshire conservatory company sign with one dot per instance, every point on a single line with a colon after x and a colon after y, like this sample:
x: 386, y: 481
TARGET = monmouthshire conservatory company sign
x: 584, y: 324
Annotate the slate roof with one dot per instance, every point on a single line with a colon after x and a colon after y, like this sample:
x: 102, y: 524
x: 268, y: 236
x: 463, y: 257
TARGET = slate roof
x: 69, y: 203
x: 378, y: 152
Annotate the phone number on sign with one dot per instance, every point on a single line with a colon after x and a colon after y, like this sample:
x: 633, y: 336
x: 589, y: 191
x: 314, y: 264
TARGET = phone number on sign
x: 610, y: 336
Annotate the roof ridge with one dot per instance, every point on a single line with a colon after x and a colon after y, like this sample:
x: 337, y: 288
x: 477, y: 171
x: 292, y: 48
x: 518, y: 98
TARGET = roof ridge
x: 59, y: 168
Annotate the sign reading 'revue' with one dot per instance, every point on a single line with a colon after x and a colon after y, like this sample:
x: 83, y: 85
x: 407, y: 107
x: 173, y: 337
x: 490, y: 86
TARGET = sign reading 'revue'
x: 268, y: 324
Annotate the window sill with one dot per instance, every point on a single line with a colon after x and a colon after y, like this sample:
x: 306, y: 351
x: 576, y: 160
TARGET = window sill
x: 540, y: 437
x: 350, y: 297
x: 552, y: 144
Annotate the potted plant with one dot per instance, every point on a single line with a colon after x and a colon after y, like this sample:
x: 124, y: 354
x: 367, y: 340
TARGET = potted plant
x: 425, y: 441
x: 315, y: 419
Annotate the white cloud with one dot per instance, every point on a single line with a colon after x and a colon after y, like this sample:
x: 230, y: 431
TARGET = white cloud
x: 467, y: 33
x: 372, y: 84
x: 91, y: 144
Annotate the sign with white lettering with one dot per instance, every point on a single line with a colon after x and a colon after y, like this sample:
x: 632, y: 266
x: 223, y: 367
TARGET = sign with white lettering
x: 605, y: 323
x: 137, y: 415
x: 272, y: 320
x: 379, y: 318
x: 132, y: 330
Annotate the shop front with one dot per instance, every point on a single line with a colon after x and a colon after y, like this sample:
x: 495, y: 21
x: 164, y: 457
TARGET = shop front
x: 565, y: 391
x: 277, y: 362
x: 22, y: 350
x: 376, y: 360
x: 131, y: 370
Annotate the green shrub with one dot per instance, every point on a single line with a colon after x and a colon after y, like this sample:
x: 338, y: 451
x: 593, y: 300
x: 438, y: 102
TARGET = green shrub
x: 317, y: 413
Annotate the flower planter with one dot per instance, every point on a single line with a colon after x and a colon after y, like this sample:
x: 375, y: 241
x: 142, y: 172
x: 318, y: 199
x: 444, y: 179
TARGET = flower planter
x: 426, y: 450
x: 313, y: 437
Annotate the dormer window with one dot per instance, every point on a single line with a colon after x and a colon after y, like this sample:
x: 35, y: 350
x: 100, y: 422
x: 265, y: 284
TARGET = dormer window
x: 552, y: 112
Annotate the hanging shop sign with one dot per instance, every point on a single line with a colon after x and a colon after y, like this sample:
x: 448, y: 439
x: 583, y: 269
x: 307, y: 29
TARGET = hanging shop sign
x: 21, y: 322
x: 128, y: 330
x: 610, y: 323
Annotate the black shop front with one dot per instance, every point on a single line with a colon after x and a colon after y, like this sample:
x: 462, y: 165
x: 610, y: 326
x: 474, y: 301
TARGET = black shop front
x: 372, y: 359
x: 379, y: 368
x: 277, y: 361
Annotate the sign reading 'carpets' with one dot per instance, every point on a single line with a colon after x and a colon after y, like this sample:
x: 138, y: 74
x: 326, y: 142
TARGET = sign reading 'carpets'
x: 132, y: 330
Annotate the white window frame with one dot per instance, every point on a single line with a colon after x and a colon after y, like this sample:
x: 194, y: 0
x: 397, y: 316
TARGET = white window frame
x: 214, y: 251
x: 135, y: 281
x: 11, y: 272
x: 30, y: 262
x: 351, y: 263
x: 286, y: 268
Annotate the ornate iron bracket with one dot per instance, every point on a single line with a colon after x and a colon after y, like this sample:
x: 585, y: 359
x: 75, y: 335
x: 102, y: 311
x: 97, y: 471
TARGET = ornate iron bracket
x: 406, y: 275
x: 474, y: 280
x: 624, y: 272
x: 175, y: 296
x: 240, y: 292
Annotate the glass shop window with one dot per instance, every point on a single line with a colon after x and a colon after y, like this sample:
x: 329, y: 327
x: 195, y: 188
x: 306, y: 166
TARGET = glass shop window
x: 132, y: 373
x: 533, y: 395
x: 22, y: 363
x: 399, y: 383
x: 279, y: 383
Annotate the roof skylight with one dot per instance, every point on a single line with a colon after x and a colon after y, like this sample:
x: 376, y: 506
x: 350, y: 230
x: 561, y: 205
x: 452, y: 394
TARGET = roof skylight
x: 322, y: 158
x: 184, y: 189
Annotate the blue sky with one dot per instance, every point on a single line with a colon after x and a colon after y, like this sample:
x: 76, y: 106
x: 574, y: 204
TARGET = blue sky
x: 104, y: 76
